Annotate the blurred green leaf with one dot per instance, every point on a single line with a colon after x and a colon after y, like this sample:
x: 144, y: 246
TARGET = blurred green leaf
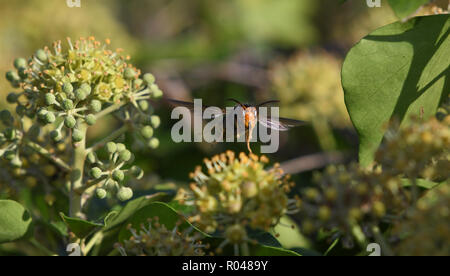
x: 422, y: 183
x: 130, y: 208
x: 405, y: 8
x: 15, y: 221
x: 81, y: 228
x: 399, y: 70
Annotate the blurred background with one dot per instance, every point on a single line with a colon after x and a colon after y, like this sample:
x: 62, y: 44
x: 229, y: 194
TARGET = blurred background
x: 250, y: 50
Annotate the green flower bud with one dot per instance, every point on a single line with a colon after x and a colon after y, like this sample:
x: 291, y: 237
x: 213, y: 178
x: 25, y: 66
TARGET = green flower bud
x: 157, y: 93
x: 129, y: 73
x: 118, y: 175
x: 34, y: 131
x: 9, y: 155
x: 12, y: 76
x: 120, y: 147
x: 2, y: 138
x: 111, y: 147
x: 138, y: 82
x: 56, y: 135
x: 112, y: 185
x: 147, y: 132
x: 49, y: 118
x: 30, y: 113
x: 12, y: 98
x: 124, y: 194
x: 23, y: 73
x: 100, y: 193
x: 143, y: 105
x: 10, y: 133
x: 92, y: 157
x: 153, y: 87
x: 16, y: 162
x: 125, y: 155
x: 41, y: 55
x: 95, y: 106
x: 67, y: 88
x: 149, y: 79
x: 20, y: 63
x: 86, y: 87
x: 153, y: 143
x: 77, y: 136
x: 80, y: 94
x: 155, y: 121
x: 67, y: 104
x: 6, y: 117
x: 90, y: 119
x: 50, y: 99
x: 136, y: 172
x: 96, y: 172
x: 41, y: 113
x: 21, y: 110
x: 70, y: 121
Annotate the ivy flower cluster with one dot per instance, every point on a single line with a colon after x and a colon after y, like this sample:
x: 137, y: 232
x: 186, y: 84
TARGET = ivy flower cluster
x: 110, y: 176
x: 154, y: 239
x: 353, y: 201
x: 236, y: 193
x: 62, y: 93
x: 421, y: 150
x: 309, y: 100
x: 426, y: 231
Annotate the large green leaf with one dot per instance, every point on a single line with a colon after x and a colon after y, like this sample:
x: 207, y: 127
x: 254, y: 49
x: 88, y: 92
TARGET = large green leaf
x: 396, y: 71
x: 81, y: 228
x: 15, y: 221
x: 405, y: 8
x: 168, y: 216
x: 129, y: 209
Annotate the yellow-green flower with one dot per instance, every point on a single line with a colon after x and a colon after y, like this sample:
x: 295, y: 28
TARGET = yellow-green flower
x: 154, y: 239
x: 238, y: 192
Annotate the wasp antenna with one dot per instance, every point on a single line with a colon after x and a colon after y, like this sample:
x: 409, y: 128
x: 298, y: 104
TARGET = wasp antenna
x: 268, y: 102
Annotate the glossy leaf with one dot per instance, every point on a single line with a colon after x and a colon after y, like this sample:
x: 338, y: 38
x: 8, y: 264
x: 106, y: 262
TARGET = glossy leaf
x: 405, y: 8
x: 81, y: 228
x: 15, y: 221
x: 399, y: 70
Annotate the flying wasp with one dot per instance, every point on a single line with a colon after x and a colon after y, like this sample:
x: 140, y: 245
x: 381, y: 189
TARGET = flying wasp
x: 250, y: 117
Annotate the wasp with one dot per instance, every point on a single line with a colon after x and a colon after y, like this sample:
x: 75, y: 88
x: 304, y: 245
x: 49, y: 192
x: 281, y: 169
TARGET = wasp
x: 250, y: 116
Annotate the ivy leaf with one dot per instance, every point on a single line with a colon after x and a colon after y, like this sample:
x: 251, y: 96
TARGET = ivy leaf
x: 399, y: 70
x: 81, y: 228
x: 129, y: 209
x: 15, y: 221
x: 405, y: 8
x: 168, y: 216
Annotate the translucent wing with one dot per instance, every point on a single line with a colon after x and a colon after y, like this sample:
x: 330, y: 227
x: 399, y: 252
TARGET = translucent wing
x: 280, y: 124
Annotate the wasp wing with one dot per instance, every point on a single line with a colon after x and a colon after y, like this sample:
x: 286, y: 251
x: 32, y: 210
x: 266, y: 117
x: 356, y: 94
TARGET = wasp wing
x: 280, y: 124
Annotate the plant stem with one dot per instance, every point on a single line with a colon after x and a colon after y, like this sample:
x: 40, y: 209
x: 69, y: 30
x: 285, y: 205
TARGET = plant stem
x: 114, y: 135
x: 324, y: 133
x: 385, y: 248
x: 110, y: 109
x: 45, y: 153
x: 79, y: 156
x: 42, y: 248
x: 96, y: 239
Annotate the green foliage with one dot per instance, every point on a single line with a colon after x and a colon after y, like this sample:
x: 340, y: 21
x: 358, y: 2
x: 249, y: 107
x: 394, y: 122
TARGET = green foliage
x: 15, y: 221
x: 404, y: 8
x: 397, y: 71
x: 82, y: 123
x: 81, y: 228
